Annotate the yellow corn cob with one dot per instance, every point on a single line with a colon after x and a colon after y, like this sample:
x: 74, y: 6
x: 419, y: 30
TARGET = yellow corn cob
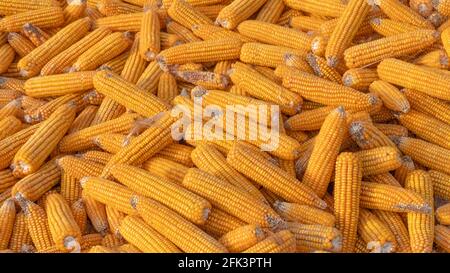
x: 183, y: 13
x: 90, y: 240
x: 212, y: 32
x: 279, y: 36
x: 21, y: 45
x: 96, y: 213
x: 115, y: 217
x: 116, y: 7
x: 242, y: 238
x: 36, y: 35
x: 315, y: 237
x: 269, y: 72
x: 64, y: 229
x: 375, y: 233
x: 7, y: 95
x: 184, y: 33
x: 31, y: 64
x: 266, y: 55
x: 238, y: 11
x: 220, y: 193
x: 379, y: 160
x: 110, y: 240
x: 406, y: 167
x: 122, y: 22
x: 166, y: 168
x: 421, y: 226
x: 36, y: 221
x: 219, y: 223
x: 150, y: 142
x: 111, y: 142
x: 271, y: 11
x: 11, y: 83
x: 8, y: 7
x: 44, y: 111
x: 347, y: 26
x: 20, y: 239
x: 280, y: 242
x: 11, y: 144
x: 7, y: 218
x: 84, y: 119
x: 97, y: 157
x: 310, y: 87
x: 209, y: 159
x: 8, y: 126
x: 31, y: 156
x: 149, y: 45
x: 44, y: 17
x: 322, y: 69
x: 13, y: 108
x: 428, y: 105
x: 108, y: 110
x: 442, y: 6
x: 443, y: 214
x: 127, y: 94
x: 425, y: 153
x: 442, y: 237
x: 70, y: 187
x: 244, y: 159
x: 30, y: 104
x: 149, y: 79
x: 33, y: 186
x: 185, y: 235
x: 331, y: 8
x: 7, y: 55
x: 393, y: 46
x: 7, y: 180
x: 396, y: 225
x: 62, y: 62
x: 304, y: 214
x: 79, y: 214
x: 167, y: 87
x: 391, y: 96
x: 347, y: 187
x: 169, y: 40
x: 367, y: 136
x: 326, y: 148
x: 392, y: 198
x: 144, y: 237
x: 399, y: 12
x: 306, y: 23
x: 74, y: 10
x: 117, y: 64
x: 92, y: 12
x: 109, y: 47
x: 423, y: 7
x: 435, y: 59
x: 384, y: 178
x: 359, y: 78
x: 389, y: 27
x: 258, y: 86
x: 211, y: 11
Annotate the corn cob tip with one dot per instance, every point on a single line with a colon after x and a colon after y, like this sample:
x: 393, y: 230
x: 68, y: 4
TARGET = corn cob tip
x: 70, y: 243
x: 198, y: 92
x: 397, y: 139
x: 274, y: 222
x: 376, y: 247
x: 83, y: 181
x: 24, y: 73
x: 161, y: 60
x: 150, y: 55
x: 436, y: 34
x: 341, y: 110
x: 321, y: 203
x: 184, y: 92
x: 423, y: 9
x: 135, y: 200
x: 376, y: 21
x: 347, y: 80
x: 222, y: 22
x: 336, y: 243
x: 373, y: 99
x: 21, y: 167
x: 315, y: 44
x: 22, y: 201
x: 332, y: 61
x: 205, y: 213
x: 26, y: 248
x: 373, y: 3
x: 76, y: 2
x: 356, y: 129
x: 435, y: 3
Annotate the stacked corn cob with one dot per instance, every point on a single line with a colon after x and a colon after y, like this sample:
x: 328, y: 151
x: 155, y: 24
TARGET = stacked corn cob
x: 88, y: 161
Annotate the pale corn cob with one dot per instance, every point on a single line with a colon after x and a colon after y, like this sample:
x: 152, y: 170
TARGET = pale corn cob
x: 31, y: 64
x: 310, y: 87
x: 31, y: 156
x: 21, y: 45
x: 428, y: 105
x: 315, y: 237
x: 187, y: 204
x: 116, y: 7
x: 392, y: 198
x: 96, y: 213
x: 393, y: 46
x: 261, y: 87
x: 425, y: 153
x: 166, y: 168
x: 83, y: 120
x: 271, y: 11
x: 35, y: 185
x: 280, y: 36
x: 64, y: 229
x: 266, y: 55
x: 375, y: 233
x: 242, y: 159
x: 186, y: 15
x: 127, y: 94
x: 421, y: 226
x: 185, y: 235
x: 36, y: 220
x: 443, y: 214
x: 216, y: 164
x: 62, y: 62
x: 389, y: 27
x: 379, y: 160
x: 399, y: 12
x: 144, y: 237
x: 359, y: 78
x: 109, y: 47
x: 304, y: 214
x: 330, y: 8
x: 348, y: 24
x: 149, y: 45
x: 44, y: 17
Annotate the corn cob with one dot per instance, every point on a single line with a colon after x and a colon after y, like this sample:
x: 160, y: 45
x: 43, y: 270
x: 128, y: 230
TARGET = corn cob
x: 183, y: 13
x: 367, y: 136
x: 266, y: 55
x: 31, y: 64
x: 144, y: 237
x: 149, y: 45
x: 219, y: 223
x: 122, y: 22
x: 111, y: 142
x: 396, y: 225
x: 402, y: 172
x: 392, y: 98
x: 442, y: 237
x: 271, y: 11
x: 96, y: 213
x: 166, y: 168
x: 185, y: 235
x: 90, y: 240
x: 443, y: 214
x: 7, y: 95
x: 428, y: 105
x: 8, y: 126
x: 280, y: 36
x: 7, y: 218
x: 315, y: 237
x: 322, y: 69
x: 74, y: 10
x: 30, y: 156
x: 21, y: 45
x: 97, y: 157
x: 80, y: 215
x: 20, y: 238
x: 425, y: 153
x: 421, y: 226
x: 329, y: 8
x: 17, y: 6
x: 116, y: 7
x: 243, y: 159
x: 7, y: 180
x: 434, y: 59
x: 117, y: 64
x: 399, y: 12
x: 392, y: 198
x: 309, y: 120
x: 36, y: 35
x: 242, y: 238
x: 44, y: 18
x: 303, y: 214
x: 306, y: 23
x: 348, y: 24
x: 184, y: 33
x: 150, y: 78
x: 11, y: 144
x: 92, y: 12
x: 375, y: 233
x: 281, y: 242
x: 64, y: 229
x: 11, y: 83
x: 7, y: 55
x: 36, y: 220
x: 83, y: 120
x: 389, y: 27
x: 379, y: 160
